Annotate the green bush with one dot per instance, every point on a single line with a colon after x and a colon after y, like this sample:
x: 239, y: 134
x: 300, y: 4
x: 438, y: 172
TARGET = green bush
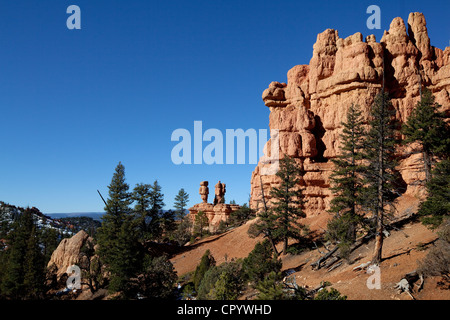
x: 206, y: 263
x: 333, y: 294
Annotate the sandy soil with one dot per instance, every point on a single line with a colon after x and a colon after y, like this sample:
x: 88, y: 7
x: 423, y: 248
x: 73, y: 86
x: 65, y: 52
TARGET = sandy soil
x: 401, y: 252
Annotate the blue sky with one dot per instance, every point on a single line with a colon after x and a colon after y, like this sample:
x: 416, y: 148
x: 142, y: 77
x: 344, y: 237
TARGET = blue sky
x: 76, y: 102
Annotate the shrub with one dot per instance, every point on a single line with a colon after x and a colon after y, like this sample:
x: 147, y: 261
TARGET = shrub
x: 206, y: 263
x: 333, y: 294
x: 437, y: 261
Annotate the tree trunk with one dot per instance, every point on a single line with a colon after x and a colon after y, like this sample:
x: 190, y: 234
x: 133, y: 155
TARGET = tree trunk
x: 274, y: 248
x: 268, y: 235
x: 378, y: 242
x: 285, y: 245
x: 427, y: 165
x: 380, y: 200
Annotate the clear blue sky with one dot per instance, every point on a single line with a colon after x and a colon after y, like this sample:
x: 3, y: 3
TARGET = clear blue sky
x: 76, y: 102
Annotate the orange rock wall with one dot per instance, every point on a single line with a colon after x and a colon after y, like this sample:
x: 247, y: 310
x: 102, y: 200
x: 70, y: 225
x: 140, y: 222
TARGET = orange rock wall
x: 309, y: 108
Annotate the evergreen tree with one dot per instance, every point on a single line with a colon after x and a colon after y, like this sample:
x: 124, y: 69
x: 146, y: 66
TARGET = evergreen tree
x: 347, y: 181
x: 437, y: 205
x: 379, y: 172
x: 260, y: 262
x: 158, y: 278
x: 333, y: 294
x: 156, y: 199
x: 205, y: 264
x: 180, y: 204
x: 427, y: 126
x: 168, y: 222
x: 265, y: 226
x: 141, y: 195
x: 50, y: 240
x: 287, y: 203
x: 271, y: 288
x: 201, y: 221
x: 24, y: 271
x: 117, y: 238
x: 222, y: 282
x: 183, y: 232
x: 34, y: 276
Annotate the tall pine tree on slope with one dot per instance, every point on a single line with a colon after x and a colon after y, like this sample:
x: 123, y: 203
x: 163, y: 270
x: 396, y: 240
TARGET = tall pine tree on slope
x: 347, y: 182
x: 287, y: 203
x: 118, y: 242
x: 380, y: 178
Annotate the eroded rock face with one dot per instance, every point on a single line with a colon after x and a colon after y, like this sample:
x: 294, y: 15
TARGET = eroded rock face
x: 308, y: 110
x: 68, y: 252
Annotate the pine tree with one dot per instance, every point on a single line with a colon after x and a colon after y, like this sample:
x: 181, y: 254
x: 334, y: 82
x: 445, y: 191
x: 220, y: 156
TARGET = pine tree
x: 260, y: 262
x: 427, y: 126
x: 437, y: 205
x: 24, y: 271
x: 271, y: 288
x: 347, y: 181
x: 156, y: 199
x: 201, y: 221
x: 181, y: 200
x: 158, y: 278
x: 379, y: 174
x: 207, y: 261
x: 33, y: 268
x: 168, y: 222
x: 287, y: 203
x: 117, y: 238
x: 141, y: 195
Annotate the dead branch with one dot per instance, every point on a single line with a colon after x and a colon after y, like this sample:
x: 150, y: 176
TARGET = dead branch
x: 317, y: 264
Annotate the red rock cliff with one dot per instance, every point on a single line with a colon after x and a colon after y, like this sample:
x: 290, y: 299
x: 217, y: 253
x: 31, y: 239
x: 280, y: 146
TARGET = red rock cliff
x: 309, y: 109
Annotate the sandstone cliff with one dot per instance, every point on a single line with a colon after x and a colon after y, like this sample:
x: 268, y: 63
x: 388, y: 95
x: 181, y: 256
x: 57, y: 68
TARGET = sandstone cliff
x: 309, y: 108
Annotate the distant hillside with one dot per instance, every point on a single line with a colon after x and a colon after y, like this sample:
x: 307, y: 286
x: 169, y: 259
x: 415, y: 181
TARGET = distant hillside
x: 85, y: 223
x: 94, y: 215
x: 10, y: 213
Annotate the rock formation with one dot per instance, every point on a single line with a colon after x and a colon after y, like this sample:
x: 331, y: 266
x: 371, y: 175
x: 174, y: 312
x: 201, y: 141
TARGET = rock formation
x: 204, y: 191
x: 220, y: 190
x: 68, y: 253
x: 216, y: 212
x: 309, y: 108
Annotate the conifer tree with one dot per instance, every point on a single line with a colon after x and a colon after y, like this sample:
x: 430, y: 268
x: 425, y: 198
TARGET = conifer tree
x: 33, y: 268
x: 156, y: 199
x: 141, y: 195
x: 24, y: 271
x: 287, y: 203
x: 180, y: 204
x: 347, y: 181
x: 427, y: 126
x: 437, y: 205
x: 207, y: 261
x: 260, y: 262
x: 117, y: 238
x: 379, y: 174
x: 201, y: 221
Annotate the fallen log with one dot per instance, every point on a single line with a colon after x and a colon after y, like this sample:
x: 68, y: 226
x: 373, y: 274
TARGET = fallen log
x: 334, y: 267
x: 317, y: 264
